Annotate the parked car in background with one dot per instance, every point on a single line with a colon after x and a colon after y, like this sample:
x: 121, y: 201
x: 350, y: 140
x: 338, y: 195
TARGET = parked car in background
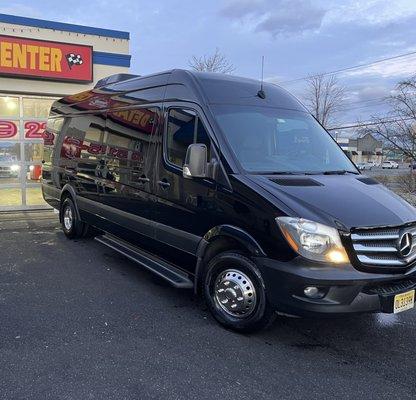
x: 390, y: 165
x: 10, y: 168
x: 365, y: 166
x: 231, y: 188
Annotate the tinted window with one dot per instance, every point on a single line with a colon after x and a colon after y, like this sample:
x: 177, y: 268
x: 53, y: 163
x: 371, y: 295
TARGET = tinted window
x: 128, y: 144
x: 184, y: 127
x: 276, y: 140
x: 53, y: 129
x: 82, y: 146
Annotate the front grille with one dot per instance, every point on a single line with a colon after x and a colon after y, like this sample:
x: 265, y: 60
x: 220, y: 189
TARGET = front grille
x: 381, y: 246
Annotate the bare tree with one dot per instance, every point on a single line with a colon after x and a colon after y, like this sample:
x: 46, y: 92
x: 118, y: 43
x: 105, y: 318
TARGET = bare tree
x: 324, y: 97
x: 398, y: 129
x: 216, y: 62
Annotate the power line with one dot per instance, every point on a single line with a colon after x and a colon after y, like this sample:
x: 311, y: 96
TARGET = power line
x: 375, y: 99
x: 363, y: 124
x: 362, y: 106
x: 359, y: 66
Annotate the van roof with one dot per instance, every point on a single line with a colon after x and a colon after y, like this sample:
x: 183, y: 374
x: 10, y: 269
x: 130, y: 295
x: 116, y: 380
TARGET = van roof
x: 200, y: 87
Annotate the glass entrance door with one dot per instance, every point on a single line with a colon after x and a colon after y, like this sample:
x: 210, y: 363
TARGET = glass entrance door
x: 22, y: 123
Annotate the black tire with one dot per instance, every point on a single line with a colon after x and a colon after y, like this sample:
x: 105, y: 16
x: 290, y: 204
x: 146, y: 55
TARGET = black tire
x: 237, y: 268
x: 72, y: 226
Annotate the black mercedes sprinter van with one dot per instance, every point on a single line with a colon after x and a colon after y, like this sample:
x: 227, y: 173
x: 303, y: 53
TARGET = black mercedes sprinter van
x: 236, y: 192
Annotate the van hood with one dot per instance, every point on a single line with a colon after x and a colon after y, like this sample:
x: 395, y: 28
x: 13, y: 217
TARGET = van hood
x: 349, y: 201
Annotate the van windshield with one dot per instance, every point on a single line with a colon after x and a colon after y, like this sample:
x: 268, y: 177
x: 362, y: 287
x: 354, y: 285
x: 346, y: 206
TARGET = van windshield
x: 271, y: 140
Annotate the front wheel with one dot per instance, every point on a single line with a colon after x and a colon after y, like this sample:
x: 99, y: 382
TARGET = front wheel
x: 235, y: 294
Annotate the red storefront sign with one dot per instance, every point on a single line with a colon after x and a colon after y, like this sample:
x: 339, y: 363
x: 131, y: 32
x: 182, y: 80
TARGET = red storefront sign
x: 33, y: 130
x: 8, y: 129
x: 40, y: 59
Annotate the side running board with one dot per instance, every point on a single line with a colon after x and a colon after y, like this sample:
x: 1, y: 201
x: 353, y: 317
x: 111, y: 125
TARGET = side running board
x: 170, y: 273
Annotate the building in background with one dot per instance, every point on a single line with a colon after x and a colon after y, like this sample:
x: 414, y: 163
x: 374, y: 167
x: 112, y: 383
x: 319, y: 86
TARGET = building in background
x: 362, y: 149
x: 41, y: 61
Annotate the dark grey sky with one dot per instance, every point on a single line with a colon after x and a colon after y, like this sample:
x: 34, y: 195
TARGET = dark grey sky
x: 297, y: 37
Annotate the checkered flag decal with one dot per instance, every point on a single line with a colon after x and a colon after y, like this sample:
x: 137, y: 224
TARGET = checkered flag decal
x: 73, y: 59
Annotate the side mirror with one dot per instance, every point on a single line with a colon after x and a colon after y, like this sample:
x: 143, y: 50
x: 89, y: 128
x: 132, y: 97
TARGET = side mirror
x: 196, y: 165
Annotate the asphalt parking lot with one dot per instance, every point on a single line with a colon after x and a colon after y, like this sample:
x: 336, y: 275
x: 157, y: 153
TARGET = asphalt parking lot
x: 78, y: 321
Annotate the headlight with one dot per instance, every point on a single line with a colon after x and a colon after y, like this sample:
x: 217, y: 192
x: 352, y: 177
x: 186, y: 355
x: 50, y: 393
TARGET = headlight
x: 312, y: 240
x: 14, y: 168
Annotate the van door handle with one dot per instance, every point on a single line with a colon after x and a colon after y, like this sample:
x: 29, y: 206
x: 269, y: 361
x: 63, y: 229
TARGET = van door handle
x: 164, y: 184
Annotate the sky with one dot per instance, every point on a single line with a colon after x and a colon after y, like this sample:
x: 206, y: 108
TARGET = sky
x: 297, y: 37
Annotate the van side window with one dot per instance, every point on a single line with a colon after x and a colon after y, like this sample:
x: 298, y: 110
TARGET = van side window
x: 129, y: 143
x: 184, y: 127
x: 54, y: 128
x: 81, y: 148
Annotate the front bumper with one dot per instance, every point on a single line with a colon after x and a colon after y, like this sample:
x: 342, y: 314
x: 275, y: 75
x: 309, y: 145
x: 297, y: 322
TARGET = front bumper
x: 346, y: 289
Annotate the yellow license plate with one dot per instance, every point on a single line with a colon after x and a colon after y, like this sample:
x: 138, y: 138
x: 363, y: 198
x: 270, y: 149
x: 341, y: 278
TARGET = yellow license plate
x: 404, y: 301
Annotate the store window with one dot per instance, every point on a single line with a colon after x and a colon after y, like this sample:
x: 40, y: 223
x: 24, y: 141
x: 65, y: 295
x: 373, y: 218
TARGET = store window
x: 9, y: 174
x: 9, y: 107
x: 22, y: 139
x: 34, y: 152
x: 36, y: 108
x: 9, y: 152
x: 33, y: 173
x: 34, y: 196
x: 10, y: 197
x: 9, y: 130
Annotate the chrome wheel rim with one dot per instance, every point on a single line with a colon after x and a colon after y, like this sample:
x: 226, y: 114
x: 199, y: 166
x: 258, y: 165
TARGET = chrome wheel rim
x: 235, y: 293
x: 68, y: 218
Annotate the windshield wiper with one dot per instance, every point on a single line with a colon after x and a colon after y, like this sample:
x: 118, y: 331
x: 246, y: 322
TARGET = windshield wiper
x: 340, y: 172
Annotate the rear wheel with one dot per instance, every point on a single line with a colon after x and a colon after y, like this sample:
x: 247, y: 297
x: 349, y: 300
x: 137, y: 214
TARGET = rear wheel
x: 235, y: 294
x: 72, y: 226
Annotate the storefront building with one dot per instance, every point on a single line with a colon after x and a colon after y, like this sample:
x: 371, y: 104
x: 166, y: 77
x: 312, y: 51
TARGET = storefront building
x: 41, y: 61
x: 362, y: 149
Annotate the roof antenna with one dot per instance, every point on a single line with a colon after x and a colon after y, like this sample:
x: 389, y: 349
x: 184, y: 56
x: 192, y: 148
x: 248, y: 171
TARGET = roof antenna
x: 261, y: 93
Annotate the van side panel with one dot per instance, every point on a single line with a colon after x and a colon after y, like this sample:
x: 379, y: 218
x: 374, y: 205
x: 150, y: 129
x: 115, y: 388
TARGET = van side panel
x: 53, y: 137
x: 114, y: 159
x: 127, y: 177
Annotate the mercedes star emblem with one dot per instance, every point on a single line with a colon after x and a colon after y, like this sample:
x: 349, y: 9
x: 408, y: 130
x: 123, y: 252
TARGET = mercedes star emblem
x: 405, y: 244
